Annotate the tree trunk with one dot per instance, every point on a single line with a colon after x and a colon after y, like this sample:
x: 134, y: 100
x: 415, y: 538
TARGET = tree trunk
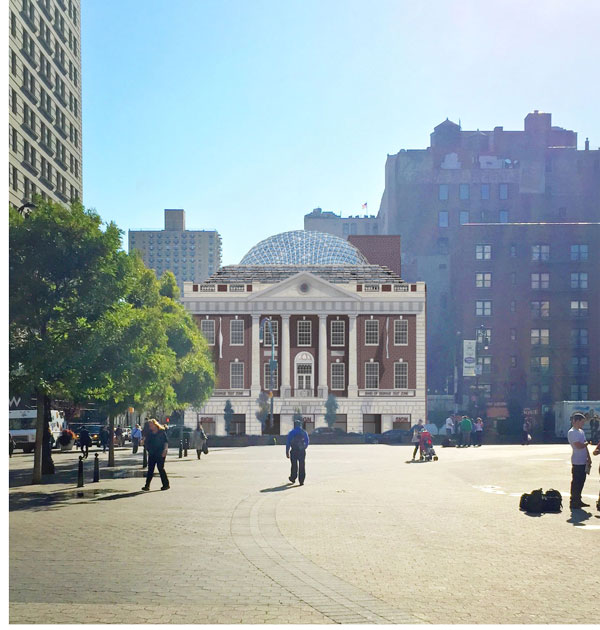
x: 39, y: 436
x: 111, y: 443
x: 47, y: 463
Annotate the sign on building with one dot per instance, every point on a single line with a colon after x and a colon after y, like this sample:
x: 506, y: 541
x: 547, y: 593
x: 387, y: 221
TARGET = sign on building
x: 469, y: 357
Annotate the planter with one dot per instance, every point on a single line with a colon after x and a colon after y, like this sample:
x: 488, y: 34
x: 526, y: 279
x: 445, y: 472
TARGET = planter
x: 67, y: 447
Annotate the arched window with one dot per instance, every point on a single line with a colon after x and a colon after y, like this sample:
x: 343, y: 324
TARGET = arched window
x: 304, y: 370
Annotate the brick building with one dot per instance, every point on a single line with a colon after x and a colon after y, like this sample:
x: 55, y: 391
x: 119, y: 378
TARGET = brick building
x: 340, y: 325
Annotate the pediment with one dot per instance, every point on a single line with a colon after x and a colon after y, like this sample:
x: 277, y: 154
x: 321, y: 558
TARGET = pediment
x: 304, y: 286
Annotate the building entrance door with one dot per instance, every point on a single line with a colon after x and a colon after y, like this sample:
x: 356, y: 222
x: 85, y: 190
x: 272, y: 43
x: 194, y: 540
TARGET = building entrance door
x: 372, y: 423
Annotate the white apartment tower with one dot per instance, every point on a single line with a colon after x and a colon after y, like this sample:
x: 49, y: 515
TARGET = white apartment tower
x: 192, y: 255
x: 44, y: 100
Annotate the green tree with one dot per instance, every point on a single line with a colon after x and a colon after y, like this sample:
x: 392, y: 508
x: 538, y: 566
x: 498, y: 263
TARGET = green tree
x: 228, y: 416
x: 331, y: 407
x: 65, y: 273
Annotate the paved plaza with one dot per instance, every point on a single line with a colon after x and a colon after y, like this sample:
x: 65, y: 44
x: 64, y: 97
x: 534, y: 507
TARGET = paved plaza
x: 370, y: 538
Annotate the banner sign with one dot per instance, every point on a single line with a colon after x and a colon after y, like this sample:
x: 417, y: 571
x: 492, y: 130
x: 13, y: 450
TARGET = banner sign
x: 469, y: 357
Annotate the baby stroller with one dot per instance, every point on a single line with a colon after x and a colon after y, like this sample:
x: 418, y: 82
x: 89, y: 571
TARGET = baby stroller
x: 426, y: 450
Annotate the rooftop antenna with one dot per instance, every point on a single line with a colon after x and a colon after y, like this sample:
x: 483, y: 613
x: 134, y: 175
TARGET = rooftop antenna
x: 459, y: 125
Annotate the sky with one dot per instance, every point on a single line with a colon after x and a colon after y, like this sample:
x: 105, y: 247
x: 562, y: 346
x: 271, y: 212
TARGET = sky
x: 250, y: 113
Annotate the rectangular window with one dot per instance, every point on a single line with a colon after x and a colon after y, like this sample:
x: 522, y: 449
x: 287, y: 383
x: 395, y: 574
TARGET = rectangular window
x: 483, y: 308
x: 485, y: 191
x: 485, y: 364
x: 579, y: 252
x: 338, y: 376
x: 207, y: 328
x: 513, y: 250
x: 483, y: 252
x: 540, y: 337
x: 580, y: 364
x: 304, y: 332
x: 372, y: 375
x: 579, y: 308
x: 484, y: 337
x: 579, y: 337
x: 513, y: 361
x: 443, y: 218
x: 267, y: 337
x: 464, y: 191
x: 338, y: 332
x: 503, y: 191
x: 443, y: 192
x: 540, y: 280
x: 401, y: 375
x: 540, y: 252
x: 540, y: 309
x: 483, y: 280
x: 579, y: 392
x: 236, y: 375
x: 371, y: 332
x: 540, y: 363
x: 513, y: 334
x: 400, y: 332
x: 579, y: 281
x: 267, y: 377
x: 464, y: 217
x: 236, y: 332
x: 503, y: 216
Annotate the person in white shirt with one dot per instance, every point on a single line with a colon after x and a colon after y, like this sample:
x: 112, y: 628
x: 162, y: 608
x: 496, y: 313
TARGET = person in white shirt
x: 580, y: 459
x: 449, y: 426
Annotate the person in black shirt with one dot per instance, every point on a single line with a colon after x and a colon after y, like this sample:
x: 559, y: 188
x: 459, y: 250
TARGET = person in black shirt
x: 84, y: 442
x: 157, y: 445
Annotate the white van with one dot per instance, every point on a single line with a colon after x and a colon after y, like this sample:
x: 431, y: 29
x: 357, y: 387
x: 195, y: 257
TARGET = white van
x: 21, y: 426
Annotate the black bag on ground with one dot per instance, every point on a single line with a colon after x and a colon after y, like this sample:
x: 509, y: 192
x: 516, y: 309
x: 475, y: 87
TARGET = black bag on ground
x: 552, y: 501
x: 532, y: 502
x: 447, y: 442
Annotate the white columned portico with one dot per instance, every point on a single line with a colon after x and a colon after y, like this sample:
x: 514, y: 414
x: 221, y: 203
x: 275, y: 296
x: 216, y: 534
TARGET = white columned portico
x: 352, y: 357
x: 284, y: 357
x: 256, y: 362
x: 322, y: 385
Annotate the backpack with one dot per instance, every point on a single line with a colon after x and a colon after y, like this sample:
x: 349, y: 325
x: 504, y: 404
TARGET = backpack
x: 533, y: 502
x: 297, y: 442
x: 553, y: 501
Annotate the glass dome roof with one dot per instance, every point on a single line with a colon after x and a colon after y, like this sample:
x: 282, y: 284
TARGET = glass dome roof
x: 304, y: 248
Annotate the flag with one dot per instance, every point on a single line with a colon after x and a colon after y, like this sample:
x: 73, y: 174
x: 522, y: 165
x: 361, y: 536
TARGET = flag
x: 220, y: 339
x: 364, y: 206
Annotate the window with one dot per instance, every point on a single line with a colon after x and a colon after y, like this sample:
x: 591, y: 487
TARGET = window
x: 464, y: 191
x: 503, y: 191
x: 401, y: 375
x: 483, y: 280
x: 540, y: 363
x: 267, y: 376
x: 464, y: 217
x: 503, y: 216
x: 579, y: 337
x: 304, y: 375
x: 513, y: 250
x: 443, y: 218
x: 483, y: 308
x: 485, y: 191
x: 513, y: 361
x: 207, y: 327
x: 483, y: 252
x: 540, y: 337
x: 304, y: 332
x: 579, y: 252
x: 371, y: 332
x: 580, y: 364
x: 338, y: 376
x: 236, y: 332
x: 540, y: 252
x: 540, y: 280
x: 513, y: 334
x: 236, y: 375
x: 579, y: 392
x: 540, y: 309
x: 484, y: 336
x: 579, y: 281
x: 338, y: 332
x: 485, y: 364
x: 579, y: 308
x: 534, y: 392
x: 346, y: 228
x: 443, y: 192
x: 400, y: 332
x: 267, y: 337
x: 372, y: 375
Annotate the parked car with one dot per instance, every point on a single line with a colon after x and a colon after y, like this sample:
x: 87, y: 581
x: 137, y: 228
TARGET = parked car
x: 328, y: 431
x: 93, y: 430
x: 394, y: 436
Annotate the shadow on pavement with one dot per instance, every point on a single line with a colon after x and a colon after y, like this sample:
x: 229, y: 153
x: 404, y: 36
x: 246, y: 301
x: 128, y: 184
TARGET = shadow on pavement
x: 286, y: 486
x: 126, y: 495
x: 578, y: 517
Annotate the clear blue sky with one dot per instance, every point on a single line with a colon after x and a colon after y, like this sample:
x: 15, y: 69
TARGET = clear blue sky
x: 250, y: 113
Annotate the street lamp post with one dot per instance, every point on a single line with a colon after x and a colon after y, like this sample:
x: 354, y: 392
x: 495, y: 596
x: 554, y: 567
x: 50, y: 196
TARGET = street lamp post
x: 272, y: 363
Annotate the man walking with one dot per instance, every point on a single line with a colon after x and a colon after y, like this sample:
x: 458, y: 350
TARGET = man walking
x: 580, y: 460
x: 295, y: 449
x: 157, y: 446
x: 136, y: 436
x: 84, y: 442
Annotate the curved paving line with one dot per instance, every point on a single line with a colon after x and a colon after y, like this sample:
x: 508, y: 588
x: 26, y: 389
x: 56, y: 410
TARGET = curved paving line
x: 255, y: 531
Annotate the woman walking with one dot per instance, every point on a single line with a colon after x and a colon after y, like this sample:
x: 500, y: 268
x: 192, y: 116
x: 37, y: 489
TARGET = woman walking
x: 157, y: 445
x: 198, y: 439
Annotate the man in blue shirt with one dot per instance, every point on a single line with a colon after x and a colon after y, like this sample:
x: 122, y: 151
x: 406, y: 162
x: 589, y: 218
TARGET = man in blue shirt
x: 295, y: 449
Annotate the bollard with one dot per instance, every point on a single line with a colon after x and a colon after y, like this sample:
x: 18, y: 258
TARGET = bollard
x: 80, y: 473
x: 96, y: 469
x: 185, y: 447
x: 145, y: 458
x: 180, y: 449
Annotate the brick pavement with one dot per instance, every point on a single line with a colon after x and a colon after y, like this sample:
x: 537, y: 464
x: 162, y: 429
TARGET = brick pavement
x: 368, y: 539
